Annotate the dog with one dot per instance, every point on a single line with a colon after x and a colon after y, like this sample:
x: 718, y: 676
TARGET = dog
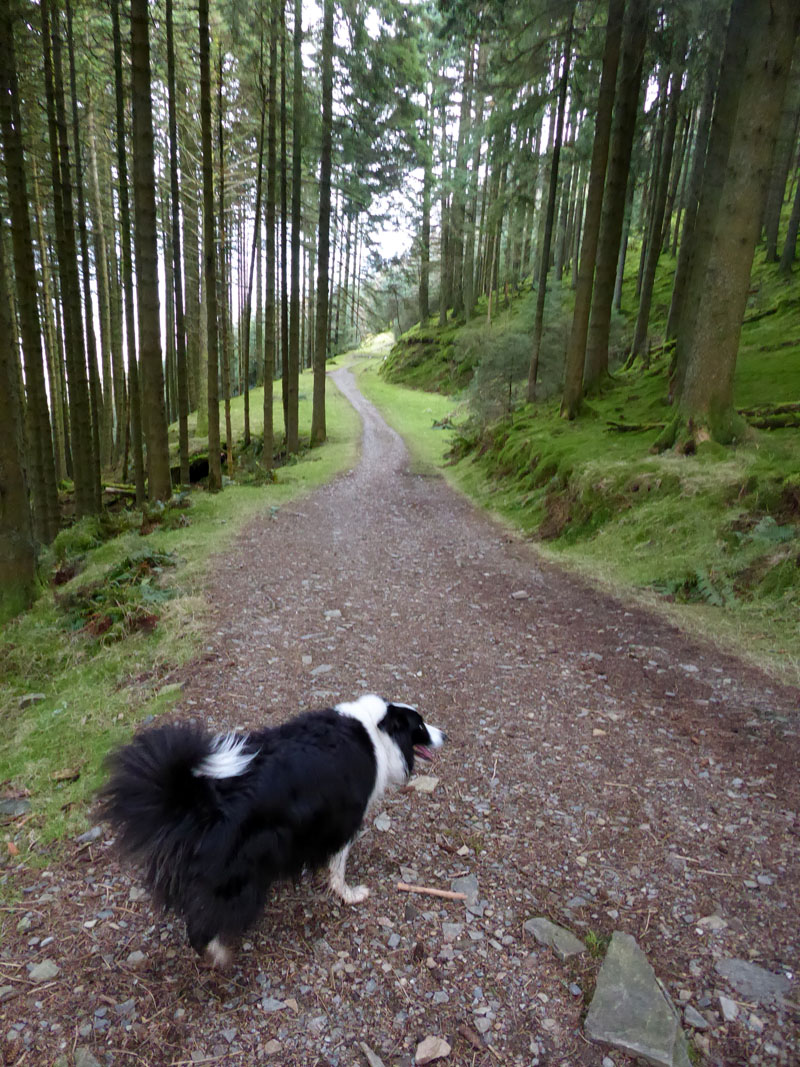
x: 215, y: 820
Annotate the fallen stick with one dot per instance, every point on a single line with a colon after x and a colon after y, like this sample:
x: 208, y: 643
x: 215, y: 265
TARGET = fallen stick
x: 448, y: 894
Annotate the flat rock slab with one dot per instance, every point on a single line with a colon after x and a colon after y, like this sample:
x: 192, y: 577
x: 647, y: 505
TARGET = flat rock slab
x: 630, y: 1010
x: 562, y: 941
x: 753, y: 982
x: 424, y: 783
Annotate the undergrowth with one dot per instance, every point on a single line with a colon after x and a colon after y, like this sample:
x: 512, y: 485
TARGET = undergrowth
x: 716, y: 534
x: 122, y: 609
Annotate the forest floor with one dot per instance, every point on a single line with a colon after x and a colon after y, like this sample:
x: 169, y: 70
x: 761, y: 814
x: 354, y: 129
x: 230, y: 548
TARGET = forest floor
x: 603, y: 770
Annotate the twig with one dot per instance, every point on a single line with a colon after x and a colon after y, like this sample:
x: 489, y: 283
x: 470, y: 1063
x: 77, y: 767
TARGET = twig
x: 447, y: 894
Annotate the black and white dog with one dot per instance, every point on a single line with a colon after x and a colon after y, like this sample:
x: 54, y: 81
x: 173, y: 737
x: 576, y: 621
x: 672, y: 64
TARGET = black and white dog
x: 215, y: 820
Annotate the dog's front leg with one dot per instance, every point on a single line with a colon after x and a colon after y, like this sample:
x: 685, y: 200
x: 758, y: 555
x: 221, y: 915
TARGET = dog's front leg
x: 336, y: 882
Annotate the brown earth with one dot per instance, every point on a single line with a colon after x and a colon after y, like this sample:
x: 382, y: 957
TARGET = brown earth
x: 604, y: 770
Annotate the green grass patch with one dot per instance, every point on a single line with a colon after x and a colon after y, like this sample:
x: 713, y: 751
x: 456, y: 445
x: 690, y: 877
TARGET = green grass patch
x: 713, y: 539
x: 100, y: 646
x: 424, y: 419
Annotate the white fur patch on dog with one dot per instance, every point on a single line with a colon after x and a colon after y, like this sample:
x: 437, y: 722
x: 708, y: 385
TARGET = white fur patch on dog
x: 390, y: 764
x: 227, y: 758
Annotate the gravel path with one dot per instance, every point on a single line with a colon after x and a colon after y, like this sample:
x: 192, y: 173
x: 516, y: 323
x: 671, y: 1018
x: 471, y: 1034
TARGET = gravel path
x: 604, y: 770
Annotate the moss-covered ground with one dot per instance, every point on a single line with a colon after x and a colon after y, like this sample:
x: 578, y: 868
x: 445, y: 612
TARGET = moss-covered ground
x: 712, y: 538
x: 99, y: 647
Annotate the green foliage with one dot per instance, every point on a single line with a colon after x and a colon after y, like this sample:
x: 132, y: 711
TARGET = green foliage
x: 97, y: 687
x: 123, y: 601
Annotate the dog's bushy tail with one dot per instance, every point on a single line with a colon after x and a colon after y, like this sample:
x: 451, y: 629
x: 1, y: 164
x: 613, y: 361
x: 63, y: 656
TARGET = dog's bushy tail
x: 161, y: 800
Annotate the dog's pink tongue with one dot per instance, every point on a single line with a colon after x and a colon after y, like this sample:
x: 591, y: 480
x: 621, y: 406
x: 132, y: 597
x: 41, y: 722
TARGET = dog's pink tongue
x: 423, y: 753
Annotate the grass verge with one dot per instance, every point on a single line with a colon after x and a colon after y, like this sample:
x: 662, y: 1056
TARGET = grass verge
x: 712, y: 539
x: 96, y: 651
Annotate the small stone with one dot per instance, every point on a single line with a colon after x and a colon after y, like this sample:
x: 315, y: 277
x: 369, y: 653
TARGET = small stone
x: 440, y: 997
x: 482, y: 1024
x: 127, y: 1009
x: 273, y: 1047
x: 333, y: 613
x: 5, y: 991
x: 451, y: 931
x: 521, y: 594
x: 14, y: 806
x: 712, y: 922
x: 729, y: 1009
x: 323, y: 668
x: 383, y: 822
x: 45, y: 971
x: 271, y: 1004
x: 84, y: 1057
x: 432, y: 1048
x: 229, y: 1035
x: 136, y: 959
x: 89, y: 835
x: 607, y: 1062
x: 575, y: 989
x: 693, y: 1018
x: 468, y: 884
x: 755, y: 1024
x: 136, y: 893
x: 425, y: 783
x: 28, y: 699
x: 562, y: 941
x: 753, y: 982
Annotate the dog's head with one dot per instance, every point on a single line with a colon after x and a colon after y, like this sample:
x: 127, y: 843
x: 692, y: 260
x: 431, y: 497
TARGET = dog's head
x: 412, y: 735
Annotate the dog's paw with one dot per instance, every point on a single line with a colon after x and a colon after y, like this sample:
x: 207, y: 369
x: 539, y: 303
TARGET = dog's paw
x: 218, y: 955
x: 354, y: 894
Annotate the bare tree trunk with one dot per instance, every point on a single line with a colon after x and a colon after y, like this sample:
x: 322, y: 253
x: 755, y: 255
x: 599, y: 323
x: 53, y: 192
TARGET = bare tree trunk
x: 159, y: 485
x: 209, y: 253
x: 712, y: 339
x: 17, y: 550
x: 625, y: 109
x: 134, y: 396
x: 638, y: 347
x: 224, y: 299
x: 551, y: 207
x: 268, y: 449
x: 177, y: 260
x: 576, y: 347
x: 77, y: 381
x: 318, y: 428
x: 95, y: 395
x: 39, y: 434
x: 292, y: 440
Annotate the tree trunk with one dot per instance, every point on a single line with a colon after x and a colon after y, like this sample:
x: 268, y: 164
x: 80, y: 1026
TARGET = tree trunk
x: 318, y: 428
x: 17, y: 551
x: 209, y: 254
x: 292, y: 434
x: 711, y: 340
x: 544, y: 261
x: 110, y: 406
x: 423, y: 298
x: 695, y: 181
x: 95, y: 394
x: 224, y: 308
x: 638, y: 347
x: 77, y: 381
x: 134, y: 396
x: 271, y: 214
x: 790, y: 244
x: 159, y: 485
x: 625, y: 111
x: 39, y: 434
x: 576, y: 347
x: 177, y: 260
x: 284, y: 241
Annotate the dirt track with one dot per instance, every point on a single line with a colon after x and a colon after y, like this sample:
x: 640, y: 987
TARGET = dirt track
x: 604, y: 770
